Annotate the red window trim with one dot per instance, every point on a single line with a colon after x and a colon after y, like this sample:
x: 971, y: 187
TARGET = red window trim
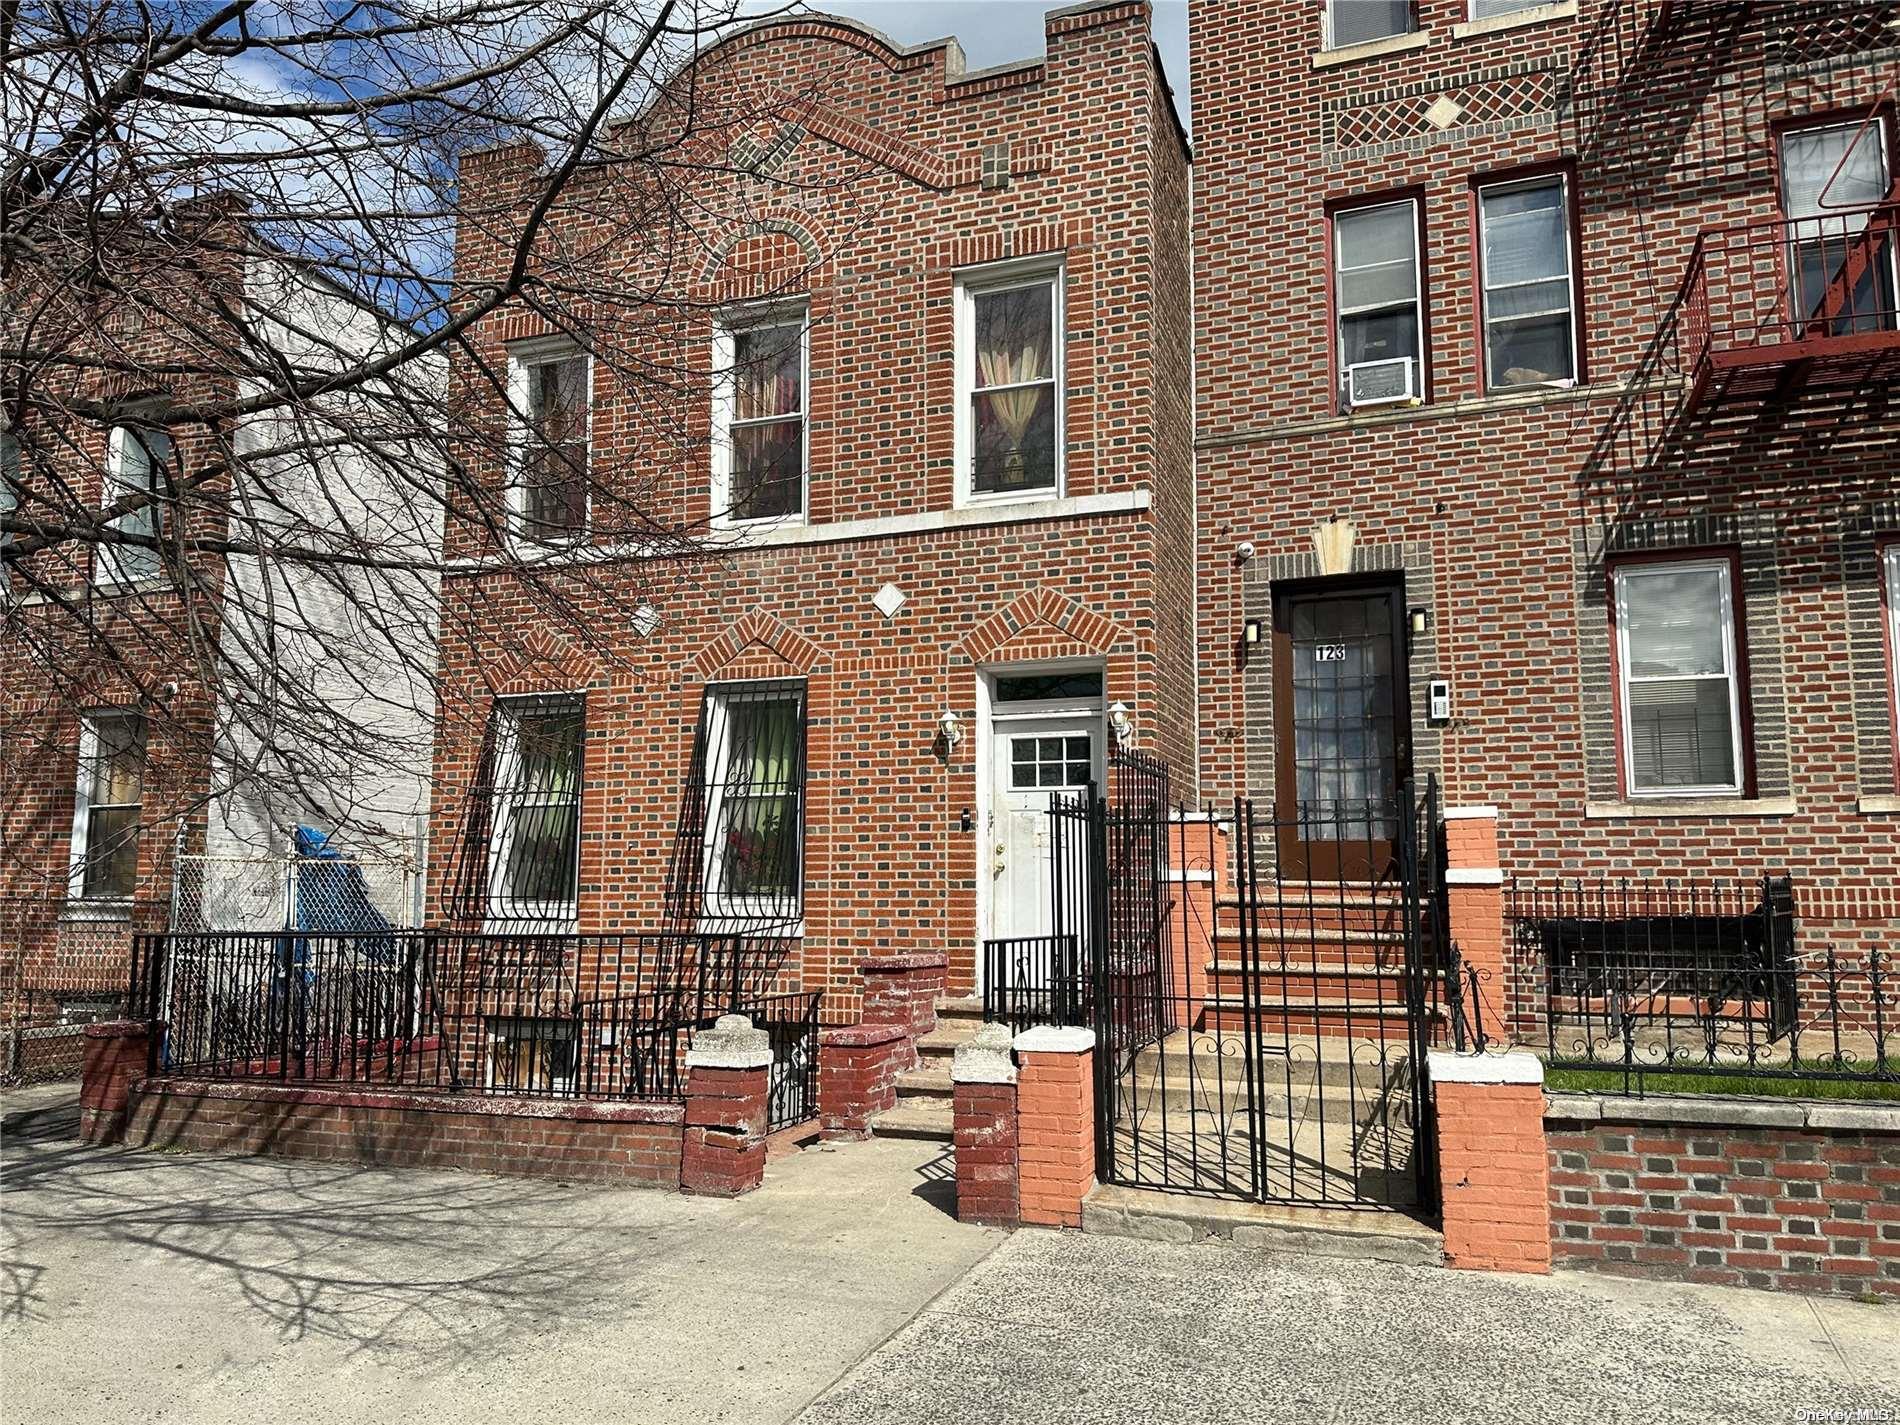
x: 1744, y: 689
x: 1573, y: 204
x: 1335, y: 372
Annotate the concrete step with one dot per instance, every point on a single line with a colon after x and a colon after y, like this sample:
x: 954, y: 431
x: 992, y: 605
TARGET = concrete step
x: 964, y: 1009
x: 1366, y: 1233
x: 1323, y: 1017
x: 929, y: 1080
x: 1331, y: 1059
x: 942, y: 1042
x: 927, y: 1119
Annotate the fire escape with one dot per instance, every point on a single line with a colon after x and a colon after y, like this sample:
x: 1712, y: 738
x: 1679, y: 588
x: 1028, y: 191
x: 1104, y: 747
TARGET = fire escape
x: 1673, y: 105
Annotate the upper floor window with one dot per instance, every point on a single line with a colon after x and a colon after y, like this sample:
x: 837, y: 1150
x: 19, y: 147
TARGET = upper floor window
x: 1355, y: 22
x: 1490, y: 9
x: 139, y: 461
x: 1528, y: 291
x: 105, y: 847
x: 1890, y: 566
x: 9, y: 480
x: 1681, y: 693
x: 1009, y: 385
x: 1841, y: 264
x: 550, y: 395
x: 1378, y: 295
x: 759, y: 436
x: 754, y: 768
x: 534, y: 850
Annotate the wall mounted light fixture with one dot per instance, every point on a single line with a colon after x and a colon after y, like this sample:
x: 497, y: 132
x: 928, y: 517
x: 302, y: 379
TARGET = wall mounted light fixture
x: 1250, y: 632
x: 1419, y: 619
x: 950, y: 728
x: 1121, y: 724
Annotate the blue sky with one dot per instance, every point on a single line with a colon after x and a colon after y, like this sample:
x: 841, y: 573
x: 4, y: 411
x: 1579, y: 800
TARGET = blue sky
x: 997, y: 31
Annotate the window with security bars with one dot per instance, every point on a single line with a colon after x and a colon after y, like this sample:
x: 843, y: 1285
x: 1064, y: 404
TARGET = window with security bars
x: 1843, y: 269
x: 139, y: 462
x: 550, y: 393
x: 531, y: 1056
x: 763, y: 452
x: 1681, y: 694
x: 110, y: 797
x: 536, y: 814
x: 754, y: 789
x: 1528, y: 296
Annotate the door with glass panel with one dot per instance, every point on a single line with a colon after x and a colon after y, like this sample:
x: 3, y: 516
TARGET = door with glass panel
x: 1342, y: 728
x: 1842, y: 277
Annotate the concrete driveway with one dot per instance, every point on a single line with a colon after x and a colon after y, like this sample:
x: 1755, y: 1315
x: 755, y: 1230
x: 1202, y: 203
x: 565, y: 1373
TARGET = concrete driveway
x: 159, y: 1287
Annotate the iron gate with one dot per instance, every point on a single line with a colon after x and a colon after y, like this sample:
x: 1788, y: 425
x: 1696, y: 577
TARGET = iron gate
x: 1266, y: 1044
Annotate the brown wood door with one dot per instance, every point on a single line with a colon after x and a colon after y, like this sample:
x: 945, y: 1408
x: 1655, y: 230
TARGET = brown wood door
x: 1342, y: 728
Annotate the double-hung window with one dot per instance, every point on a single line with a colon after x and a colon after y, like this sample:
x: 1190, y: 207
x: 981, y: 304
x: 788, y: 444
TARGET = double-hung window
x: 1681, y: 682
x: 550, y: 394
x: 1890, y: 571
x: 754, y: 761
x: 534, y: 850
x: 1841, y: 263
x: 1528, y: 291
x: 1357, y: 22
x: 105, y: 848
x: 1491, y: 9
x: 9, y: 480
x: 1381, y: 311
x: 759, y: 456
x: 139, y: 462
x: 1009, y: 386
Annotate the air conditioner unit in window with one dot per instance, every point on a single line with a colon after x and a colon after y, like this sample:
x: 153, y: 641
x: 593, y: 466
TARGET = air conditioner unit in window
x: 1382, y: 383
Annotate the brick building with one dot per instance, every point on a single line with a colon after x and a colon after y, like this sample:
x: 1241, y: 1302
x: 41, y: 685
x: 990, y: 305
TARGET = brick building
x: 933, y: 442
x: 1545, y: 360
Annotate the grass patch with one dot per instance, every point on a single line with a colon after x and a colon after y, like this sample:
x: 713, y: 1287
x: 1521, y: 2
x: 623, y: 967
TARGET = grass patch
x: 1567, y: 1080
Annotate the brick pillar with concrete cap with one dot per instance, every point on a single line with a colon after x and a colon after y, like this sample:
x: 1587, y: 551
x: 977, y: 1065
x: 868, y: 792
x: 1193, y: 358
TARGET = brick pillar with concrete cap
x: 987, y: 1146
x: 1055, y: 1123
x: 858, y: 1066
x: 727, y: 1072
x: 902, y: 990
x: 118, y: 1054
x: 1493, y: 1163
x: 1474, y: 895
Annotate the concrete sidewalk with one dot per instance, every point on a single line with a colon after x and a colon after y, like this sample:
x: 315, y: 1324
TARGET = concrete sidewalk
x: 1067, y: 1328
x: 158, y: 1287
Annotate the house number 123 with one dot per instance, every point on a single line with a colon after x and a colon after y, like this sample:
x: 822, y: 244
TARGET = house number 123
x: 1329, y: 653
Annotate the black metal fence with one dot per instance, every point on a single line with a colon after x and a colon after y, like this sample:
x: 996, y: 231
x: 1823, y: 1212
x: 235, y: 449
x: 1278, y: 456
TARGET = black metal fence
x: 791, y: 1022
x: 1700, y: 978
x: 560, y: 1016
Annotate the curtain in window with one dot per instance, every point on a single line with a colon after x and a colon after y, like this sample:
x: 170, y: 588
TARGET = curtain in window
x: 1015, y: 425
x: 760, y: 805
x: 768, y: 422
x: 537, y: 816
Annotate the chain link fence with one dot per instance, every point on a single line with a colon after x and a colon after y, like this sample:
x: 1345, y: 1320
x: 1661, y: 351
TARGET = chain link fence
x: 235, y: 893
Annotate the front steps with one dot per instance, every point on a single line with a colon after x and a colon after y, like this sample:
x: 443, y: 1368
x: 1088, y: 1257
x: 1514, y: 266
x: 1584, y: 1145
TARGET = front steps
x: 925, y: 1098
x: 1367, y: 1234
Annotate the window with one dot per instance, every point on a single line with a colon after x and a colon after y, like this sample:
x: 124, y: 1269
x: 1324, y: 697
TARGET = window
x: 754, y: 761
x: 1890, y: 563
x: 9, y: 481
x: 1009, y: 419
x: 1061, y: 762
x: 535, y: 851
x: 139, y: 461
x: 1490, y: 9
x: 1376, y: 289
x: 1528, y: 294
x: 759, y: 460
x: 105, y: 850
x: 1355, y: 22
x: 1041, y: 687
x: 531, y: 1056
x: 1681, y: 682
x: 1840, y: 271
x: 551, y: 397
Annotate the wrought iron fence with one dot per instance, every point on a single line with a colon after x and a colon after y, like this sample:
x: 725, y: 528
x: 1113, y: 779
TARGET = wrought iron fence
x: 1035, y: 979
x: 1698, y: 978
x: 791, y: 1022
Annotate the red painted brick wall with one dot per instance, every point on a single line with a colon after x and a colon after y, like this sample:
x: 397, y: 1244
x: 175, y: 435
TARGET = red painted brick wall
x: 1794, y: 1209
x: 1493, y: 1176
x: 1055, y: 1126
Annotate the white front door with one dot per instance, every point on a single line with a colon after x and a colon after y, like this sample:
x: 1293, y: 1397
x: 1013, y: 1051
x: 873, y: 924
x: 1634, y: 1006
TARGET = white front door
x: 1034, y: 757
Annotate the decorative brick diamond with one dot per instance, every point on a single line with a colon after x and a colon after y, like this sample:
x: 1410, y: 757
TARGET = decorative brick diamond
x: 1443, y: 112
x: 889, y: 600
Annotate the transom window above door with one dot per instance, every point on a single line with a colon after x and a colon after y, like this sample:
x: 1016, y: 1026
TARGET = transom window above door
x: 1065, y: 761
x: 1009, y: 386
x: 759, y: 438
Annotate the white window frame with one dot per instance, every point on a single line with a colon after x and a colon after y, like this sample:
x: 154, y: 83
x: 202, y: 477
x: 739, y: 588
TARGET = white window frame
x: 106, y: 559
x: 9, y: 470
x: 507, y: 911
x: 510, y: 1027
x: 523, y: 358
x: 1003, y: 277
x: 1471, y: 10
x: 1330, y: 43
x: 738, y: 913
x: 1831, y: 226
x: 1890, y: 566
x: 725, y: 402
x: 83, y: 805
x: 1620, y: 575
x: 1572, y: 303
x: 1418, y: 294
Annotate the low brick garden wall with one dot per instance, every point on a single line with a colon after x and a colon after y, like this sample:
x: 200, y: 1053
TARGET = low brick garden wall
x: 1792, y: 1195
x: 625, y: 1143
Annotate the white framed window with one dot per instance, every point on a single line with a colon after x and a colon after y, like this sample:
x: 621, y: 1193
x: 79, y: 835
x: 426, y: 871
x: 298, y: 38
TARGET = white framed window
x: 531, y: 1056
x: 9, y: 481
x: 1358, y: 22
x: 550, y: 399
x: 1890, y: 565
x: 1491, y: 9
x: 1681, y: 686
x: 760, y: 434
x: 139, y: 460
x: 535, y: 818
x: 106, y: 811
x: 754, y: 771
x: 1832, y: 175
x: 1527, y: 290
x: 1009, y: 345
x: 1380, y: 302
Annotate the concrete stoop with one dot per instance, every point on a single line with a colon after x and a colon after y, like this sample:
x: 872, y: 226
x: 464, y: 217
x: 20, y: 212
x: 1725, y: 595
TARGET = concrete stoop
x: 1366, y: 1234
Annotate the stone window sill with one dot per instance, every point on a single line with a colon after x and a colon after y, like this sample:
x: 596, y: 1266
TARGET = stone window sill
x: 1698, y: 807
x: 102, y: 911
x: 1516, y: 20
x: 1880, y: 806
x: 1372, y: 49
